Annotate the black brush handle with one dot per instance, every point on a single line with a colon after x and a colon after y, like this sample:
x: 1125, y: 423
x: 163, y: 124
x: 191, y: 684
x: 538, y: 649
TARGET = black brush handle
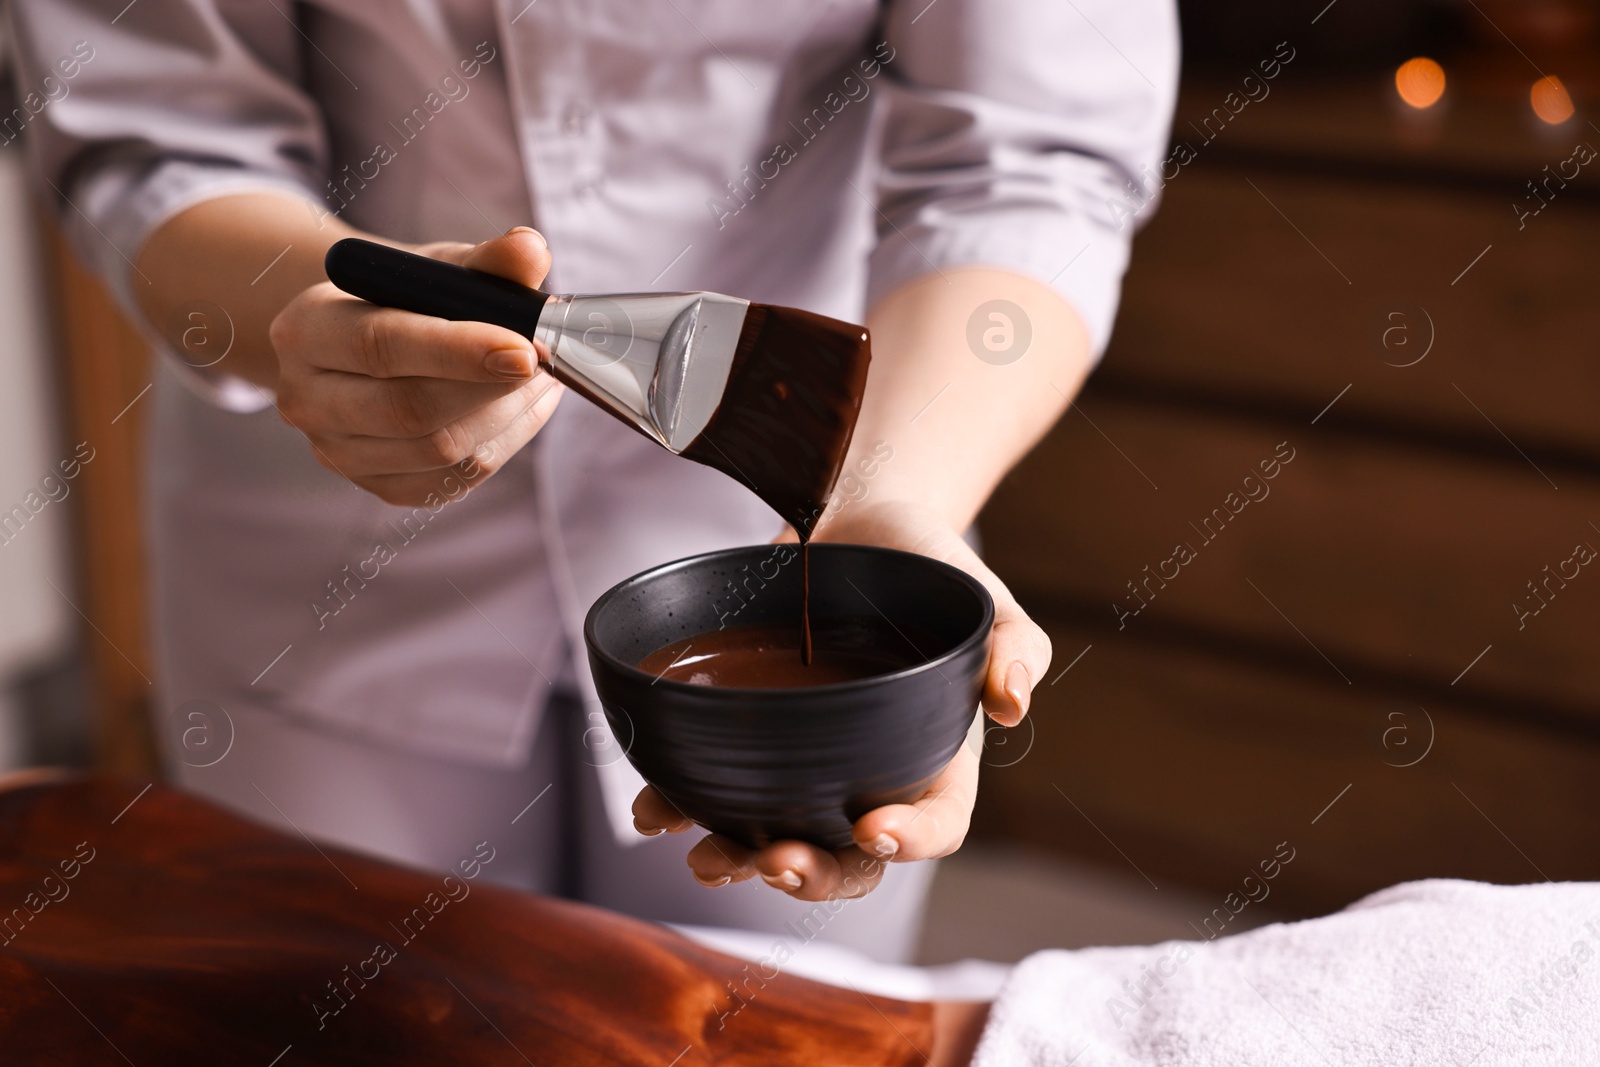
x: 395, y: 279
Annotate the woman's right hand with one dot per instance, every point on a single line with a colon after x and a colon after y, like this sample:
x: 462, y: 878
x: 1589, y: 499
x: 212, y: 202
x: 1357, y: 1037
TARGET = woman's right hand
x: 405, y: 405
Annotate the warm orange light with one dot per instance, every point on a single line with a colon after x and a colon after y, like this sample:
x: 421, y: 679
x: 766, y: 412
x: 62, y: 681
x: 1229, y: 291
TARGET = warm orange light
x: 1550, y: 100
x: 1420, y: 82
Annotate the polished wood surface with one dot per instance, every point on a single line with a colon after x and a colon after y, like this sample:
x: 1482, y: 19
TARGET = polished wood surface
x: 152, y: 928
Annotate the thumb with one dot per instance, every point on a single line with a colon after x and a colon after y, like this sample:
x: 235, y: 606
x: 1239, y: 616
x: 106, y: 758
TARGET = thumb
x: 1018, y: 659
x: 519, y: 254
x: 1019, y: 650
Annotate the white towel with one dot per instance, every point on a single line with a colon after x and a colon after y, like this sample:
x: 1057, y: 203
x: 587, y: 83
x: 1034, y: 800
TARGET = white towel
x: 1436, y: 972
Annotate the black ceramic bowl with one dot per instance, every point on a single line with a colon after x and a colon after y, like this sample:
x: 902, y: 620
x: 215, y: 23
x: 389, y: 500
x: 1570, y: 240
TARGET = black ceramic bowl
x: 762, y: 765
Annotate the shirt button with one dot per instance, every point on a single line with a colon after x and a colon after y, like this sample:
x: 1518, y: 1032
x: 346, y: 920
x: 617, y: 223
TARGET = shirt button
x: 585, y: 189
x: 575, y: 119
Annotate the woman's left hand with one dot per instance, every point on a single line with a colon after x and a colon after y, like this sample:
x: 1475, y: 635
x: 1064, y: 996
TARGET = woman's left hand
x: 935, y: 823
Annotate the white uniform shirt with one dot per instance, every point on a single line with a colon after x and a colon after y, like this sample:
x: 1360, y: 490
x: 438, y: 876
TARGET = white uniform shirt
x: 791, y: 152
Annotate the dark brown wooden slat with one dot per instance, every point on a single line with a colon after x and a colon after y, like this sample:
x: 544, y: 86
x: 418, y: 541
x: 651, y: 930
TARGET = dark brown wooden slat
x: 1228, y: 302
x: 1190, y: 768
x: 1484, y: 131
x: 1408, y: 561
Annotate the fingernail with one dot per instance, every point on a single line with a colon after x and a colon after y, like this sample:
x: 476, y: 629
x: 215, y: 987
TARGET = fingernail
x: 649, y: 831
x: 884, y: 846
x: 715, y: 882
x: 1019, y: 687
x: 537, y: 236
x: 510, y: 362
x: 782, y: 880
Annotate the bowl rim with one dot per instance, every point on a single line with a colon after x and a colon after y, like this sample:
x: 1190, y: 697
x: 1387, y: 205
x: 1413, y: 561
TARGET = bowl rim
x: 731, y: 693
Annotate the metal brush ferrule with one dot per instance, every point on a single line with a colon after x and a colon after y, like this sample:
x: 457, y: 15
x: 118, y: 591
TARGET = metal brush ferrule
x: 659, y: 360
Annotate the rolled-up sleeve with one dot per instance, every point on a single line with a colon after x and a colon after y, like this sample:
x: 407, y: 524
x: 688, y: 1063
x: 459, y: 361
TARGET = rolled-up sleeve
x: 146, y: 109
x: 1010, y: 127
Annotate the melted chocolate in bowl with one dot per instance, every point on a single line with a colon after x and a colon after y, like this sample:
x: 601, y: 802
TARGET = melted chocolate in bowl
x: 765, y: 655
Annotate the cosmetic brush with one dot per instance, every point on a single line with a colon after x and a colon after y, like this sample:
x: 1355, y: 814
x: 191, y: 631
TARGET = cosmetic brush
x: 767, y: 395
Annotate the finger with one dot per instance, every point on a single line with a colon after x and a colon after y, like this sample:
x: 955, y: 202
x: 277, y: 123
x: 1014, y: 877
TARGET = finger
x: 1019, y: 649
x: 529, y: 411
x: 520, y: 254
x: 342, y: 333
x: 1019, y: 657
x: 716, y: 860
x: 654, y: 814
x: 933, y: 825
x: 424, y: 488
x: 340, y: 403
x: 430, y: 489
x: 352, y: 335
x: 521, y: 411
x: 806, y: 872
x: 448, y: 251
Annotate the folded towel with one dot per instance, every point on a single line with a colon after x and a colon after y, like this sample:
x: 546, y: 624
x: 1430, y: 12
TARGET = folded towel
x: 1436, y: 972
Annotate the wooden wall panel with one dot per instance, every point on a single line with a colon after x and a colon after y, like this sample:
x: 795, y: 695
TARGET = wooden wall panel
x: 1227, y: 303
x: 1394, y: 562
x: 1372, y: 591
x: 107, y: 374
x: 1484, y: 135
x: 1190, y: 767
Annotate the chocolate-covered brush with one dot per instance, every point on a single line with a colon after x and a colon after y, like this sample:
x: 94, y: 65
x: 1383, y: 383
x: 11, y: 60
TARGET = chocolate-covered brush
x: 767, y: 395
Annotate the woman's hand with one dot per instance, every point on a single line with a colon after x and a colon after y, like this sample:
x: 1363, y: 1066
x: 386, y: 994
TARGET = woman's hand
x: 401, y: 403
x: 935, y: 823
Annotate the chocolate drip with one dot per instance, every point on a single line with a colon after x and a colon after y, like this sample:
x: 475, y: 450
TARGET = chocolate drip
x: 805, y: 602
x: 786, y: 417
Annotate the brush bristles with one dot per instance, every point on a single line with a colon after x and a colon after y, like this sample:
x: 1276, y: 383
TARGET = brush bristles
x: 789, y: 409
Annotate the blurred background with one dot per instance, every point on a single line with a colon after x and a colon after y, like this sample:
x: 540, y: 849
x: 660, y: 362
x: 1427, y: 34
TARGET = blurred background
x: 1372, y: 276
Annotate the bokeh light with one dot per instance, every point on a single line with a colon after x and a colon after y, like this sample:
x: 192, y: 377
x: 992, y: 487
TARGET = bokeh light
x: 1420, y: 82
x: 1550, y: 100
